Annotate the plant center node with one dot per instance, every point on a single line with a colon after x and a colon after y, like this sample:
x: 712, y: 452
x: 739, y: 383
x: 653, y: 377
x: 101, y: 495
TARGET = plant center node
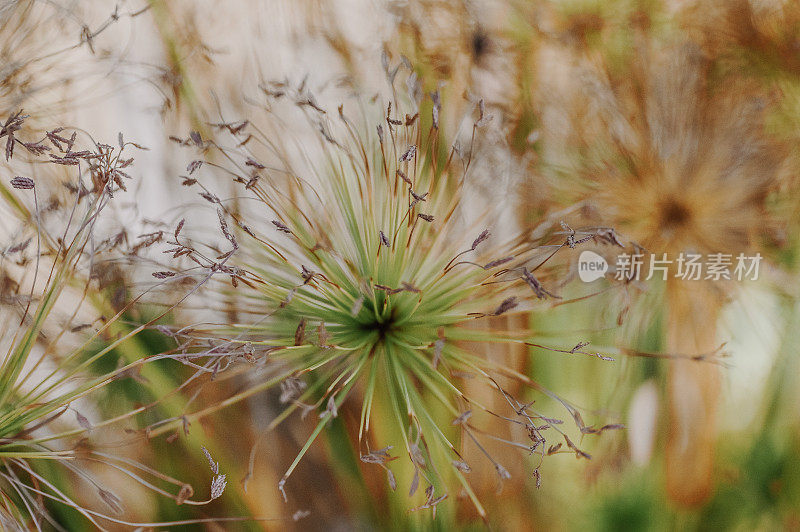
x: 674, y: 214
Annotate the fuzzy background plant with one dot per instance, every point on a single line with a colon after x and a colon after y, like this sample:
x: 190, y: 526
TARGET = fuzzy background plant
x: 674, y: 151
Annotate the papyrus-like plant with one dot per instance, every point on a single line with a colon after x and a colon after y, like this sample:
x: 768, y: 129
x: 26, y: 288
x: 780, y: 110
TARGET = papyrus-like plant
x: 364, y: 280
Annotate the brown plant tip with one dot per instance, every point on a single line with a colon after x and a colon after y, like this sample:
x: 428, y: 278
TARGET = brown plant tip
x: 505, y: 306
x: 179, y: 227
x: 193, y: 166
x: 211, y: 198
x: 481, y: 238
x: 281, y: 227
x: 211, y: 463
x: 300, y: 333
x: 536, y: 286
x: 498, y: 262
x: 409, y: 153
x: 22, y: 183
x: 306, y: 274
x: 19, y: 247
x: 388, y: 289
x: 417, y: 197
